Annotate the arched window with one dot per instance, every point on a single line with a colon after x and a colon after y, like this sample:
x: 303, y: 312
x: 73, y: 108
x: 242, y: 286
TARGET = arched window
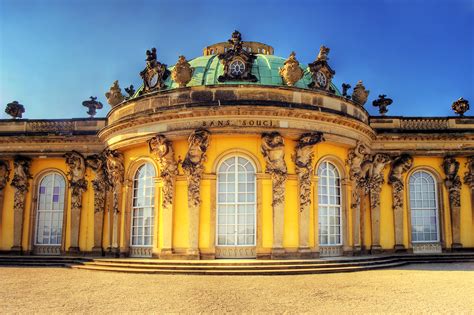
x: 50, y: 210
x: 424, y: 208
x: 329, y: 205
x: 236, y: 203
x: 143, y: 206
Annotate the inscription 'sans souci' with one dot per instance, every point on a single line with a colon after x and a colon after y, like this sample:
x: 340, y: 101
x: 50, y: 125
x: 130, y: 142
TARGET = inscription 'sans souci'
x: 239, y: 123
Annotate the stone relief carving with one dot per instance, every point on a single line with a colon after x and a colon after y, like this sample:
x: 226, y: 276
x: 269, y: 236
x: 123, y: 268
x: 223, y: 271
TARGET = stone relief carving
x: 182, y: 72
x: 21, y: 175
x: 163, y: 151
x: 114, y: 95
x: 400, y: 165
x: 100, y: 184
x: 469, y: 175
x: 115, y: 173
x: 360, y: 94
x: 4, y: 174
x: 304, y: 165
x: 77, y: 181
x: 193, y: 164
x: 154, y: 74
x: 291, y: 71
x: 273, y: 150
x: 452, y: 181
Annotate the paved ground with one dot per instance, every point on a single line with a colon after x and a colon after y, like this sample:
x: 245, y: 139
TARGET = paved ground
x: 439, y: 288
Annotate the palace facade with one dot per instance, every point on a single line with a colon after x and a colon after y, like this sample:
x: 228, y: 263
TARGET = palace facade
x: 237, y: 154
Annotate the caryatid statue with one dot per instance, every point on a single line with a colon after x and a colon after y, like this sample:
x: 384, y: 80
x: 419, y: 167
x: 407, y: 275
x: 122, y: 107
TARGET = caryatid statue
x: 21, y: 175
x: 469, y: 179
x: 100, y: 185
x: 376, y: 181
x: 162, y: 149
x: 193, y: 167
x: 273, y: 150
x: 453, y: 184
x: 400, y: 165
x: 4, y: 178
x: 358, y: 160
x: 77, y: 184
x: 303, y: 157
x: 116, y: 173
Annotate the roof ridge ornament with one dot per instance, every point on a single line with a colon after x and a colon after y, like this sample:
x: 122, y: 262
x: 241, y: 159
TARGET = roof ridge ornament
x: 460, y: 106
x: 321, y: 72
x: 154, y: 74
x: 15, y: 109
x: 291, y: 71
x: 182, y: 72
x: 382, y: 103
x: 237, y: 61
x: 114, y: 95
x: 360, y: 94
x: 93, y: 105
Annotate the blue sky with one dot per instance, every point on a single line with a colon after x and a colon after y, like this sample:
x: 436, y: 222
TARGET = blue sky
x: 54, y: 54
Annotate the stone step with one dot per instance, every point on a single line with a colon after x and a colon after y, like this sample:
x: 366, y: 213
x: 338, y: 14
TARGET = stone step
x: 308, y: 270
x: 235, y: 266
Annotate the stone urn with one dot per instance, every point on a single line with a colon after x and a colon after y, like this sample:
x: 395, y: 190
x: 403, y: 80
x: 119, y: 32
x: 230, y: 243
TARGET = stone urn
x: 360, y: 94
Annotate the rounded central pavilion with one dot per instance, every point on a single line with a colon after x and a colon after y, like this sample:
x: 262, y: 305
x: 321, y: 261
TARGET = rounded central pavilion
x: 240, y: 154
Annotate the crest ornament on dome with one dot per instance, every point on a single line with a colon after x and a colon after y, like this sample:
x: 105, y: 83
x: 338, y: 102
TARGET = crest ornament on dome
x: 154, y: 74
x: 182, y: 72
x: 114, y: 95
x: 360, y: 94
x: 130, y: 91
x: 460, y: 106
x: 291, y: 71
x: 15, y: 110
x: 93, y: 105
x: 237, y: 61
x: 382, y: 103
x: 321, y: 72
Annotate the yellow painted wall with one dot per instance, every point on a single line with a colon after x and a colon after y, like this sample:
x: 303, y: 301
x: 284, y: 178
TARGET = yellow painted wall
x: 219, y: 145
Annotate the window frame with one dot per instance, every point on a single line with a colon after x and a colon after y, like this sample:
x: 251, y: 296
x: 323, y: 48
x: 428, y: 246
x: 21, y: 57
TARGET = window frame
x: 236, y: 203
x: 328, y: 205
x: 151, y: 206
x: 437, y: 208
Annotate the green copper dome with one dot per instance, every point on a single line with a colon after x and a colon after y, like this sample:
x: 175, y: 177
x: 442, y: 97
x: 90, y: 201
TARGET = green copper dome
x: 265, y: 67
